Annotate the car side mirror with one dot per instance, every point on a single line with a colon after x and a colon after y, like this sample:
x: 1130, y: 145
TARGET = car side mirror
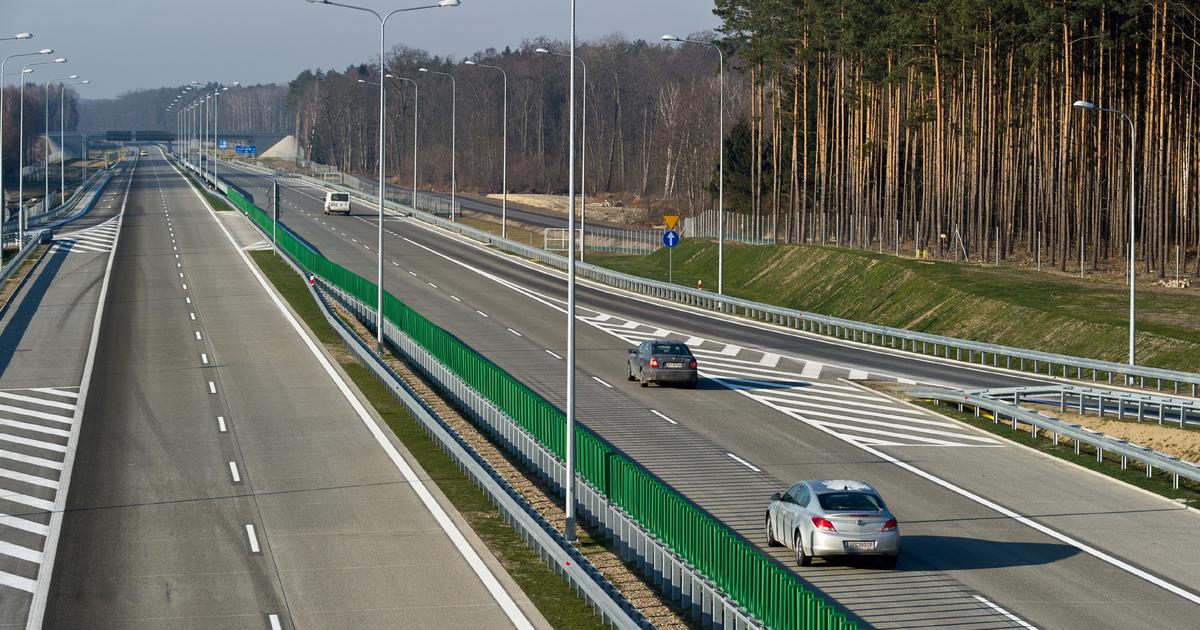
x: 633, y: 351
x: 776, y: 497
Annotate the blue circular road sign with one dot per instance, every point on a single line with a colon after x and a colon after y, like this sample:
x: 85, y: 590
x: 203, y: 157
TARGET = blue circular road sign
x: 670, y: 238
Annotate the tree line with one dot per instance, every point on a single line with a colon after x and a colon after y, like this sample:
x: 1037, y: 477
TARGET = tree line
x: 874, y: 123
x: 651, y: 119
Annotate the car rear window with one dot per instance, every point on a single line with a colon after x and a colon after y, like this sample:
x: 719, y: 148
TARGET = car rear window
x: 849, y: 501
x: 340, y: 197
x: 671, y: 348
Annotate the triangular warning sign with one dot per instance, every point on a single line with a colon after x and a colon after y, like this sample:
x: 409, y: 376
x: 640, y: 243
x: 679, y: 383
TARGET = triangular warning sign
x: 671, y: 220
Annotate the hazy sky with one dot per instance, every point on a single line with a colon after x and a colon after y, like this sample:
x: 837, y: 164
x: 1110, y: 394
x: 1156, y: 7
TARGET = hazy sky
x: 127, y: 44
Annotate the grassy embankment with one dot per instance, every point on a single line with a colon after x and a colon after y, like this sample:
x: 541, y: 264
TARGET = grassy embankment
x: 553, y: 597
x: 1002, y: 305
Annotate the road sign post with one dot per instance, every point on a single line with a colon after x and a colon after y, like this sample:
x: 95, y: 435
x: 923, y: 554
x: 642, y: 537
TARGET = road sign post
x: 670, y: 239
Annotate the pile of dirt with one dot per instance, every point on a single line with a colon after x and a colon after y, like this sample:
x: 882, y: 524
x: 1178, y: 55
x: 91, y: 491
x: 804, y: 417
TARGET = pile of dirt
x: 610, y: 210
x: 1167, y: 438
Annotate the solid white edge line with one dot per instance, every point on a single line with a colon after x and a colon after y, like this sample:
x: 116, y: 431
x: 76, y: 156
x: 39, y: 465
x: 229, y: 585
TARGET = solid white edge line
x: 510, y: 608
x: 253, y: 538
x: 744, y: 462
x: 1011, y: 617
x: 663, y: 416
x: 37, y: 607
x: 1137, y: 572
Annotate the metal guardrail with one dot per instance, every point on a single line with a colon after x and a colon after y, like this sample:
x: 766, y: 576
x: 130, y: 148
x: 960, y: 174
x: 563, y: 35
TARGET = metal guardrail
x: 1048, y: 364
x: 531, y: 526
x: 671, y: 573
x: 1102, y: 400
x: 32, y: 240
x: 63, y: 208
x: 1059, y: 429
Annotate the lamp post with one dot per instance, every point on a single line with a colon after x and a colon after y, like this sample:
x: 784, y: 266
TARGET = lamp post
x: 46, y: 157
x: 24, y: 71
x: 1087, y: 105
x: 383, y: 18
x: 21, y: 152
x: 62, y: 135
x: 453, y: 132
x: 583, y: 154
x: 569, y: 521
x: 504, y: 150
x: 216, y: 139
x: 720, y: 157
x: 17, y: 36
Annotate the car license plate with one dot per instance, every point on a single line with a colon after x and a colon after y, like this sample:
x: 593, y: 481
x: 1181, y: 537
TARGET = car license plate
x: 674, y: 365
x: 860, y: 545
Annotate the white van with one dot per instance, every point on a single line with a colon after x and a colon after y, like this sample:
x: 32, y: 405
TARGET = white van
x: 337, y: 202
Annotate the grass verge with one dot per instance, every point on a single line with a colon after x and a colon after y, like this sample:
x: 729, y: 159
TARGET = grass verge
x: 217, y: 202
x: 552, y: 596
x: 1134, y: 474
x: 1003, y: 305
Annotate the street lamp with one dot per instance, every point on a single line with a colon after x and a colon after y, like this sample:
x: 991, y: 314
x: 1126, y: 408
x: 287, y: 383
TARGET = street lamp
x: 1087, y: 105
x: 383, y: 71
x: 582, y: 156
x: 62, y: 135
x: 24, y: 71
x: 216, y: 110
x: 453, y: 131
x: 504, y: 150
x: 61, y: 149
x: 21, y: 152
x: 569, y: 438
x: 720, y: 158
x: 17, y: 36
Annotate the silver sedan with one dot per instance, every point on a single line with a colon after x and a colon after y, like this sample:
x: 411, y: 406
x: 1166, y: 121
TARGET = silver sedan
x: 833, y: 517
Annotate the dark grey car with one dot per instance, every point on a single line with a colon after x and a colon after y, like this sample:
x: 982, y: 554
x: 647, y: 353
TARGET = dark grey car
x: 662, y: 361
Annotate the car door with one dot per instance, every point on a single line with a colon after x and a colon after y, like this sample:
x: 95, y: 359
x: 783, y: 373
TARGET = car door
x: 784, y: 523
x: 802, y: 515
x: 635, y: 359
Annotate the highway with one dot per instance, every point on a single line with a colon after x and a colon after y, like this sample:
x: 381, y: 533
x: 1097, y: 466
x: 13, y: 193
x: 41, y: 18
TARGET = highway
x: 226, y: 473
x: 45, y: 336
x: 994, y: 535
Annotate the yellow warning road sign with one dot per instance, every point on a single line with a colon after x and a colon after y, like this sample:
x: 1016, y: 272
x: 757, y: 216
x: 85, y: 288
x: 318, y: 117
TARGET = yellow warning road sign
x: 671, y: 220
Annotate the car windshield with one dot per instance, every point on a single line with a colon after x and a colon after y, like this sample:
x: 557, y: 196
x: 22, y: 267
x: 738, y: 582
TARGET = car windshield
x: 340, y: 197
x: 849, y: 501
x: 670, y: 348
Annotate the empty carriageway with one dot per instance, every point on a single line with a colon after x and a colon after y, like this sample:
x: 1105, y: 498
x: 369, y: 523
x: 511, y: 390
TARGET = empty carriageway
x: 227, y: 473
x: 982, y: 549
x: 47, y: 329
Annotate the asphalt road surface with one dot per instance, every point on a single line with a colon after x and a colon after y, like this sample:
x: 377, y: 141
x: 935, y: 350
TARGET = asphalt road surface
x: 227, y: 476
x: 993, y: 534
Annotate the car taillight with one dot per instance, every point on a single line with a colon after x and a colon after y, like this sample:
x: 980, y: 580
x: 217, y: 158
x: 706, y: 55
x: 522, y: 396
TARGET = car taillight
x: 823, y: 524
x: 889, y: 526
x: 654, y: 362
x: 692, y: 364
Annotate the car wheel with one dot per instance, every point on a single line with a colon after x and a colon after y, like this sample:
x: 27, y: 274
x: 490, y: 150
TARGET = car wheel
x: 642, y: 378
x: 692, y: 383
x: 889, y: 562
x: 771, y: 542
x: 802, y: 559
